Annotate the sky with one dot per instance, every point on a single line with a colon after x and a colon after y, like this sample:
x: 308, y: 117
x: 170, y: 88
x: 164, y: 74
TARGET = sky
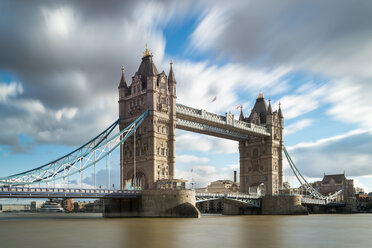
x: 60, y: 66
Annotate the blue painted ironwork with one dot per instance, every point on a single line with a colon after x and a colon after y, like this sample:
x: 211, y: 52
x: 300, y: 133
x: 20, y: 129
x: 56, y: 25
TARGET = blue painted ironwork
x: 26, y: 192
x: 62, y: 167
x: 313, y: 192
x: 243, y: 199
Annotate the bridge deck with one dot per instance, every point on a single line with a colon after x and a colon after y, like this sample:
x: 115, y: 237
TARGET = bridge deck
x: 25, y: 192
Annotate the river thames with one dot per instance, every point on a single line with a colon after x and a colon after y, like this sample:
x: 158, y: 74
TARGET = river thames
x: 91, y: 230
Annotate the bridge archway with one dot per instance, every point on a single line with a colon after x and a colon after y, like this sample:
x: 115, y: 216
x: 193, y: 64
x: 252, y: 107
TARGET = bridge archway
x: 138, y: 182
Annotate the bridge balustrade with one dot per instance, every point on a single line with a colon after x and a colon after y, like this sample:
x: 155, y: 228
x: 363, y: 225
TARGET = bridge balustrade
x: 308, y: 200
x: 69, y: 190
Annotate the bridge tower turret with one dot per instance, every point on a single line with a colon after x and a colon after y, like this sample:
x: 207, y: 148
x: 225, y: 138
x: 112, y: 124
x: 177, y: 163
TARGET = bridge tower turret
x: 261, y: 158
x: 154, y: 156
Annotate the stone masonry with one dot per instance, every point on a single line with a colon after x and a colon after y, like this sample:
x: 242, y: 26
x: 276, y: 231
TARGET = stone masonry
x: 261, y: 160
x: 155, y: 137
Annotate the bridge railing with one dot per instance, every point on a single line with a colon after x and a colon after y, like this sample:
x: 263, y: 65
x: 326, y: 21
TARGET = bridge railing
x: 227, y: 195
x: 308, y: 200
x: 70, y: 190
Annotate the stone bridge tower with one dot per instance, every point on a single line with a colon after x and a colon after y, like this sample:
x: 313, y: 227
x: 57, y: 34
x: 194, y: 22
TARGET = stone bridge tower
x: 261, y: 161
x: 155, y: 137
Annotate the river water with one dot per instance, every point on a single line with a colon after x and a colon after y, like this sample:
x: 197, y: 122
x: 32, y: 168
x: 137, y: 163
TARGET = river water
x: 91, y: 230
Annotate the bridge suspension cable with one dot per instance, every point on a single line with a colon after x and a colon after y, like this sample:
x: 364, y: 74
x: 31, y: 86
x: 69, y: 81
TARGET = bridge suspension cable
x: 313, y: 192
x: 78, y: 160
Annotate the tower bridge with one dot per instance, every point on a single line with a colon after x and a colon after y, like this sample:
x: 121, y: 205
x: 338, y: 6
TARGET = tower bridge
x: 148, y: 117
x: 260, y: 135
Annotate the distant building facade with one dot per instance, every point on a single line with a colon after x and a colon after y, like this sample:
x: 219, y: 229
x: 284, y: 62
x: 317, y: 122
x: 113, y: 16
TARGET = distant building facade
x: 222, y: 186
x: 14, y: 207
x: 68, y: 204
x: 330, y: 184
x: 212, y: 206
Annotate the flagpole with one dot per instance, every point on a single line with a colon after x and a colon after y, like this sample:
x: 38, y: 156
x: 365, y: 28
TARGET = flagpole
x: 216, y: 106
x: 214, y: 100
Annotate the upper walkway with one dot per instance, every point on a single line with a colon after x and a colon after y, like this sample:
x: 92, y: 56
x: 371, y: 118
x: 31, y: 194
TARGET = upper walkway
x: 201, y: 121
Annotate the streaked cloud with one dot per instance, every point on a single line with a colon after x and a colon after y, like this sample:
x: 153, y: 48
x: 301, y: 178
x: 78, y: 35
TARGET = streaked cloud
x: 191, y: 159
x: 203, y: 143
x: 297, y: 126
x: 202, y: 175
x: 348, y: 152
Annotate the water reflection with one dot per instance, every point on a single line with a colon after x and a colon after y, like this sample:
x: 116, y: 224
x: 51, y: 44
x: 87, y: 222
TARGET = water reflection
x: 90, y: 230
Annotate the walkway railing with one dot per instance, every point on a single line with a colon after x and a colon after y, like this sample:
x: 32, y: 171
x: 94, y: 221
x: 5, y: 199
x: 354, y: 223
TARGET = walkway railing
x: 227, y: 195
x: 26, y: 192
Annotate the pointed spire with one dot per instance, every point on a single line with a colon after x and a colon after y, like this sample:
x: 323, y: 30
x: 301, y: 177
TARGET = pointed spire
x: 280, y: 112
x: 147, y: 68
x: 241, y: 116
x: 260, y: 95
x: 146, y: 52
x: 123, y: 82
x: 171, y: 77
x: 269, y: 110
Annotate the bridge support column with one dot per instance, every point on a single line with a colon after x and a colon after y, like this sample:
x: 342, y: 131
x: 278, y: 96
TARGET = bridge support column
x: 121, y: 207
x: 154, y: 203
x: 230, y: 209
x: 283, y: 205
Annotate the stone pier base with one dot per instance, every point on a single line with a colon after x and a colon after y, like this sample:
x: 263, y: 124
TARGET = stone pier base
x: 230, y: 209
x: 283, y: 205
x: 154, y: 203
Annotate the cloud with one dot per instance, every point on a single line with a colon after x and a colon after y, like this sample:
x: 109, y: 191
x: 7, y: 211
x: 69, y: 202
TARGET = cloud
x: 68, y: 113
x: 203, y: 143
x: 351, y: 102
x: 191, y: 159
x: 59, y: 21
x: 210, y: 28
x: 202, y: 175
x: 304, y: 35
x: 349, y: 152
x: 331, y: 40
x: 297, y: 126
x: 198, y: 83
x: 68, y: 59
x: 9, y: 90
x: 68, y: 66
x: 101, y: 179
x: 307, y: 98
x: 70, y: 75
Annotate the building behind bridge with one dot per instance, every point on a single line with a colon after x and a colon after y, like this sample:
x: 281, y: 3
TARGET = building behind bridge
x: 14, y: 207
x: 333, y: 183
x: 221, y: 186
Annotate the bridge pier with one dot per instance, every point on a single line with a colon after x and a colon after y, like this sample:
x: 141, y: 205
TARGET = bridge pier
x: 230, y: 209
x: 282, y: 205
x: 154, y: 203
